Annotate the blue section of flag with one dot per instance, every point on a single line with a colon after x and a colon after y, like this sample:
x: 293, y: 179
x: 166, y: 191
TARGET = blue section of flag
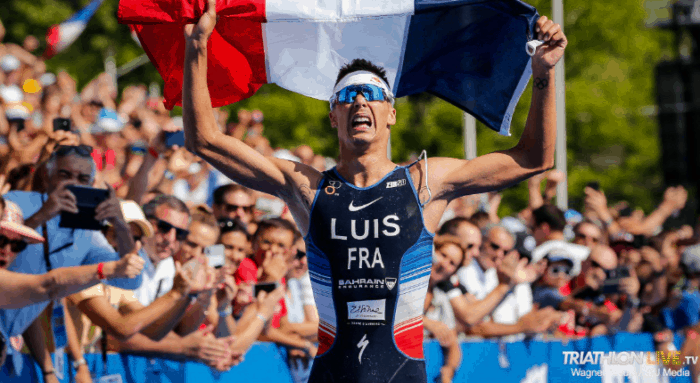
x: 86, y: 13
x: 471, y: 54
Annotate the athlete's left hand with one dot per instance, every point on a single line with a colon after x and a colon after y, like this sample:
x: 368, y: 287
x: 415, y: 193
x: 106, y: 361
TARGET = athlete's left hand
x: 549, y: 53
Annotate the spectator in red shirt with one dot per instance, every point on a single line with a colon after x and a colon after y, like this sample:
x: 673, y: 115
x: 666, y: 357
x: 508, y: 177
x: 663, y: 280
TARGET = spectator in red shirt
x: 273, y: 253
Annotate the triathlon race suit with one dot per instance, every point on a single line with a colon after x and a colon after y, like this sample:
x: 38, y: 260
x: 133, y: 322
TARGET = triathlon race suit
x: 369, y: 258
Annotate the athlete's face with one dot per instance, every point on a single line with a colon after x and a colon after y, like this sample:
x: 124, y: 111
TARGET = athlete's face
x: 362, y: 122
x: 446, y: 262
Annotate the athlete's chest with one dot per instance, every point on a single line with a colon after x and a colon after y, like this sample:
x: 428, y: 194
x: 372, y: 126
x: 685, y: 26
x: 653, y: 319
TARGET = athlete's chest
x: 366, y: 225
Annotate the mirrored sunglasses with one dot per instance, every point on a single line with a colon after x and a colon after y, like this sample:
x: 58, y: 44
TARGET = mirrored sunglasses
x: 348, y: 94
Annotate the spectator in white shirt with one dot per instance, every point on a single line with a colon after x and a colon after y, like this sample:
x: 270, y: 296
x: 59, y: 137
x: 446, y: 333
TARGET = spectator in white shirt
x: 500, y: 279
x: 171, y: 218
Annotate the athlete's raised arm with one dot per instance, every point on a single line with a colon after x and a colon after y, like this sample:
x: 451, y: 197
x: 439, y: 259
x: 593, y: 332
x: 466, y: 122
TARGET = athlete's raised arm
x: 289, y: 180
x: 534, y: 152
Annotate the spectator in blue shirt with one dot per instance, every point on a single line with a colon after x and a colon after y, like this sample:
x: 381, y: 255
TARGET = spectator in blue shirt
x: 68, y: 165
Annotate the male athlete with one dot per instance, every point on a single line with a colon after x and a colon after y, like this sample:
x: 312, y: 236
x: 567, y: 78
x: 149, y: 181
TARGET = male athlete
x: 368, y: 233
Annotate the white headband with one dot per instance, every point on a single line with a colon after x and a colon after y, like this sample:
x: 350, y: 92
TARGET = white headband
x: 362, y: 77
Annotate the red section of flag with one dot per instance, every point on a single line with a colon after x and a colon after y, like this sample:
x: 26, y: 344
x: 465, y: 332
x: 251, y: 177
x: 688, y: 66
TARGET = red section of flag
x: 53, y: 37
x: 236, y: 53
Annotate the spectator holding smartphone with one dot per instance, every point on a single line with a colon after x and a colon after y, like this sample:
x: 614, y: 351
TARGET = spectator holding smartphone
x: 67, y: 165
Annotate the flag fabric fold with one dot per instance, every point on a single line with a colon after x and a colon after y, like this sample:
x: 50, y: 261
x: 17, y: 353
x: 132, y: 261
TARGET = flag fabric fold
x: 61, y: 36
x: 470, y: 53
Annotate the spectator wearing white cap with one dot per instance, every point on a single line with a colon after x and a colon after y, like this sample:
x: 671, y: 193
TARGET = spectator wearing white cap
x: 562, y: 261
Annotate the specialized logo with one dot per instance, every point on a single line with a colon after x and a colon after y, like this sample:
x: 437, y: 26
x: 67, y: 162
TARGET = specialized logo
x: 367, y: 310
x: 390, y: 282
x: 395, y: 184
x: 332, y: 187
x: 358, y: 208
x: 362, y: 345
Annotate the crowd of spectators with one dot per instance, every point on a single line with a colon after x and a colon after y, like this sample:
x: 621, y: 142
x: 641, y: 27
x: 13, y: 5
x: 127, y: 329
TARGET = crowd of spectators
x: 182, y: 247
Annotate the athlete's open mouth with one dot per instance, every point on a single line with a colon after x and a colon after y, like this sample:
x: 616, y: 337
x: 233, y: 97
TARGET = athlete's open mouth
x: 361, y: 122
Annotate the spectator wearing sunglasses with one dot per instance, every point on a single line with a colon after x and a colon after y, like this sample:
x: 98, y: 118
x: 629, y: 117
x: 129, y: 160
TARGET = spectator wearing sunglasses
x: 67, y: 165
x: 498, y: 301
x: 561, y: 262
x: 588, y: 234
x: 584, y: 292
x: 234, y: 201
x: 170, y: 218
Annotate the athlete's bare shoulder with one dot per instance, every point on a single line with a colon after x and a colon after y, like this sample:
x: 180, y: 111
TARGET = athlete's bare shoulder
x: 433, y: 171
x: 302, y: 182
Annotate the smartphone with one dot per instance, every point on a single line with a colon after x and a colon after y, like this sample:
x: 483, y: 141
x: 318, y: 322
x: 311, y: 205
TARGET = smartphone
x: 175, y: 138
x: 639, y: 241
x: 612, y: 279
x: 216, y: 256
x: 61, y: 124
x: 595, y: 185
x: 268, y: 287
x: 87, y: 200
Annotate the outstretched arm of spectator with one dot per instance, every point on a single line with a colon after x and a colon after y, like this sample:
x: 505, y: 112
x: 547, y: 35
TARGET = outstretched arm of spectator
x: 139, y: 183
x: 19, y: 290
x: 674, y: 200
x: 534, y: 322
x: 596, y: 201
x: 470, y: 311
x: 155, y: 320
x: 200, y: 345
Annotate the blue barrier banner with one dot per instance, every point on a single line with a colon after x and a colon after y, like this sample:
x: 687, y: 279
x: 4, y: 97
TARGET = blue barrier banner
x: 607, y: 359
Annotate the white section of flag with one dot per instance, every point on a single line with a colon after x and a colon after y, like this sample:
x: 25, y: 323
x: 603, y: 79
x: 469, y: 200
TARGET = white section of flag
x: 305, y: 57
x: 335, y: 10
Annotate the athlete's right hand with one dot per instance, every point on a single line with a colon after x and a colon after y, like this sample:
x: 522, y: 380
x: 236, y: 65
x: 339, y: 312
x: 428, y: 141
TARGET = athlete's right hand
x: 205, y: 26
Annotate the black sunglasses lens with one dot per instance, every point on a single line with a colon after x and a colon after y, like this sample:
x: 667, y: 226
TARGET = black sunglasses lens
x: 165, y: 227
x: 181, y: 234
x: 18, y: 246
x: 82, y: 150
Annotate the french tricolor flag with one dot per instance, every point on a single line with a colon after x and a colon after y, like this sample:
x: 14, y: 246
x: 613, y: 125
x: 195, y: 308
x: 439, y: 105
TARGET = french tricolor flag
x: 468, y: 52
x: 60, y: 36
